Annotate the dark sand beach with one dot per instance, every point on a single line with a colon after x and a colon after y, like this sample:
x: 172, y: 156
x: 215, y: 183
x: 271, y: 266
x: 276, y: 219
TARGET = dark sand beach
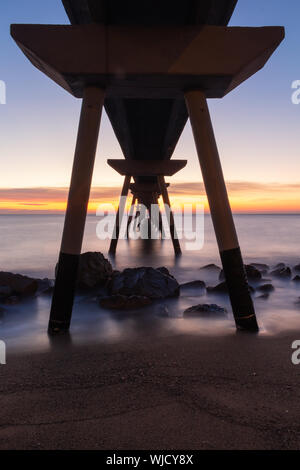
x: 239, y: 391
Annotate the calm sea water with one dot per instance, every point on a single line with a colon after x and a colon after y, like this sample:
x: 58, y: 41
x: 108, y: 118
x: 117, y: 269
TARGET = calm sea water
x: 30, y: 245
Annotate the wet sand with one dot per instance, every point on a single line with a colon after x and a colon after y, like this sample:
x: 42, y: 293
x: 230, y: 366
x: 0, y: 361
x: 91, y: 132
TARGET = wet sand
x: 238, y: 391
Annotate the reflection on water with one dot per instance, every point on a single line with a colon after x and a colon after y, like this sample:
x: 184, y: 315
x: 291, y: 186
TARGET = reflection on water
x: 30, y: 244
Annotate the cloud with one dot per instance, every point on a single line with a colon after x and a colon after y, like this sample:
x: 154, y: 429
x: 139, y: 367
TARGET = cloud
x: 50, y: 194
x: 246, y: 187
x: 243, y: 194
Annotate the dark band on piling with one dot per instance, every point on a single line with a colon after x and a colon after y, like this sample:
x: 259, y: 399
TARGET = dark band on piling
x: 63, y: 295
x: 238, y: 289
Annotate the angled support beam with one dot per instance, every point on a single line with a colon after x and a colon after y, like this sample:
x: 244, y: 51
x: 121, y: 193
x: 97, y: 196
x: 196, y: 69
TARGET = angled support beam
x: 230, y: 253
x: 119, y: 216
x: 66, y: 278
x: 170, y: 215
x: 131, y: 214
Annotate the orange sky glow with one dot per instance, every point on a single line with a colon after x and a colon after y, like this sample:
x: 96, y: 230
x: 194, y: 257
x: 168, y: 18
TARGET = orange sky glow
x: 244, y: 197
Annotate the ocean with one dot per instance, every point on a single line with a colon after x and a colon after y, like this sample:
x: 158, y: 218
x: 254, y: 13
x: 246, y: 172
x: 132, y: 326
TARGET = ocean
x: 30, y: 246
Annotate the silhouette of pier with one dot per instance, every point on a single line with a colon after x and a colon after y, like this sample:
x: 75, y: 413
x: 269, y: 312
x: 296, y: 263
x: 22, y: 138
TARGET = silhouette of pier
x: 151, y: 64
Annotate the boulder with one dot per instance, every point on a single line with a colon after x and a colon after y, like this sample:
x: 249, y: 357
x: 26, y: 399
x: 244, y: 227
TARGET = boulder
x: 144, y: 281
x: 252, y: 272
x: 262, y: 267
x: 204, y: 310
x: 193, y: 285
x: 284, y: 272
x: 266, y: 288
x: 296, y: 278
x: 94, y: 270
x: 21, y: 285
x: 165, y: 271
x: 123, y: 302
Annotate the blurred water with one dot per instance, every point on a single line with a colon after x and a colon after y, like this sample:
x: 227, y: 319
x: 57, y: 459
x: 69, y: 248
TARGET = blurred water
x: 30, y: 245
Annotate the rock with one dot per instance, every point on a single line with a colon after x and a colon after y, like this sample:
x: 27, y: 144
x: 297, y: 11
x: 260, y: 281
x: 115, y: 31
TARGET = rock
x: 279, y: 266
x: 144, y: 281
x: 297, y: 268
x: 123, y: 302
x: 251, y: 271
x: 94, y: 270
x: 266, y: 288
x: 296, y: 278
x: 5, y: 291
x: 165, y: 271
x: 222, y: 288
x: 22, y: 285
x: 204, y: 310
x: 193, y: 284
x: 284, y: 272
x: 211, y: 267
x: 262, y: 267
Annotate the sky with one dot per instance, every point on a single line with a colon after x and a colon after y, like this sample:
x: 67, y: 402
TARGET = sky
x: 256, y: 125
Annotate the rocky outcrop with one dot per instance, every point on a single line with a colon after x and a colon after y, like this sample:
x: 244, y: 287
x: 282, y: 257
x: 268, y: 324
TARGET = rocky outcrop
x: 206, y: 310
x: 279, y: 266
x: 144, y: 281
x: 94, y: 270
x: 262, y: 267
x: 283, y: 272
x: 17, y: 284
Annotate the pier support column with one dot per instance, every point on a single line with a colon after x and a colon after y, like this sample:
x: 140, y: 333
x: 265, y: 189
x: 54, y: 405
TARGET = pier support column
x: 66, y: 276
x: 119, y: 216
x: 242, y: 305
x: 169, y: 213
